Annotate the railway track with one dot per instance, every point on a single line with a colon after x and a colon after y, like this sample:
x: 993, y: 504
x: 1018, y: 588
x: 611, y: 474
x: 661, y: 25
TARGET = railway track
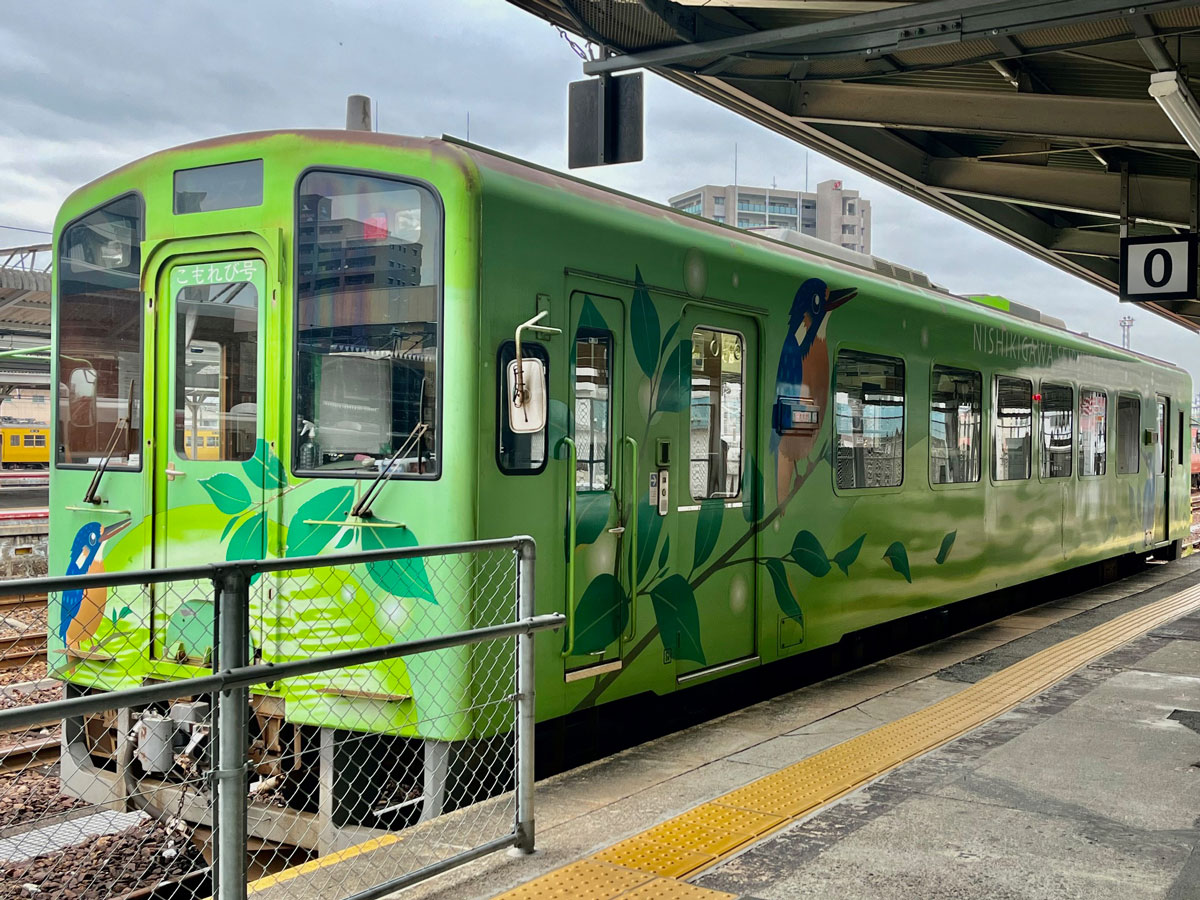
x: 36, y: 752
x: 38, y: 601
x: 16, y: 652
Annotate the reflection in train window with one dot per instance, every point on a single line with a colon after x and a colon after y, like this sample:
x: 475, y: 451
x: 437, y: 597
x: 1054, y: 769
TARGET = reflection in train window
x: 1058, y: 405
x: 718, y: 376
x: 955, y: 425
x: 1013, y: 442
x: 869, y: 414
x: 1129, y: 430
x: 593, y: 383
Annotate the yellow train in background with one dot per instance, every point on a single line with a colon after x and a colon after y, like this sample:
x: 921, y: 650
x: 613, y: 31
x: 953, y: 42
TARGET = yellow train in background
x: 25, y: 446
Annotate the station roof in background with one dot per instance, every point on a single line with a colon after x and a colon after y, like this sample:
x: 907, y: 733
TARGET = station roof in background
x: 25, y: 276
x: 1014, y: 116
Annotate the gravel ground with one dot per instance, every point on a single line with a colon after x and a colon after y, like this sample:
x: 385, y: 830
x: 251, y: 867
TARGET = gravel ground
x: 16, y: 621
x: 103, y: 868
x: 29, y: 797
x: 10, y: 698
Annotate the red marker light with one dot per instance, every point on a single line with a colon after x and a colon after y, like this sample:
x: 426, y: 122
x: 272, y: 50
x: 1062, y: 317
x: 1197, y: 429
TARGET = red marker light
x: 1037, y: 398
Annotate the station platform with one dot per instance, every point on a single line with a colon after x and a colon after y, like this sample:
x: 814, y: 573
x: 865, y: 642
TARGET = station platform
x: 1053, y: 753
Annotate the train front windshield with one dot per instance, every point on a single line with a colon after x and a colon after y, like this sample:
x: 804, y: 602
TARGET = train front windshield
x: 368, y: 304
x: 99, y: 313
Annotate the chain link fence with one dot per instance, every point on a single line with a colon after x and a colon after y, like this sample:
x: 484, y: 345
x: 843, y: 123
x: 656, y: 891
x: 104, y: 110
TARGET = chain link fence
x: 317, y: 727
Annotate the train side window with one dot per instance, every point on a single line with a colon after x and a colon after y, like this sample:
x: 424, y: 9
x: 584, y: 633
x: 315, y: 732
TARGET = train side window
x: 1058, y: 406
x: 1129, y: 431
x: 14, y: 440
x: 718, y: 376
x: 868, y: 398
x: 955, y: 425
x: 1093, y: 432
x: 518, y: 454
x: 1012, y: 446
x: 1179, y: 432
x: 593, y: 388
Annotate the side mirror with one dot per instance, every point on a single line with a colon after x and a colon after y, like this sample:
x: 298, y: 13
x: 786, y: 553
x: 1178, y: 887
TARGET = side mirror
x: 526, y: 396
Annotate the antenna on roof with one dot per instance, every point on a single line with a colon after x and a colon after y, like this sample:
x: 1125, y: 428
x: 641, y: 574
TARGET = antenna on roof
x: 358, y: 113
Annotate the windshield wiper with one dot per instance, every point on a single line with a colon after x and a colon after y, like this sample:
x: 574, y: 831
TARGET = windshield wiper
x: 362, y: 509
x: 89, y: 496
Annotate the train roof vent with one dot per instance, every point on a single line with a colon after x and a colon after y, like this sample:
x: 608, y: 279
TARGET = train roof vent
x: 1020, y: 310
x: 885, y: 268
x: 920, y: 279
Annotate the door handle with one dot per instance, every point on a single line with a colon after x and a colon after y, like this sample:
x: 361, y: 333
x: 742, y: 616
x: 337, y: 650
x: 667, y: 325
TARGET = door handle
x: 572, y: 453
x: 620, y: 529
x: 172, y: 473
x: 633, y: 538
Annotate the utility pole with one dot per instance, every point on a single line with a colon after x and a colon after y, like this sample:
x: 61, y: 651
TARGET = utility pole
x: 1126, y: 324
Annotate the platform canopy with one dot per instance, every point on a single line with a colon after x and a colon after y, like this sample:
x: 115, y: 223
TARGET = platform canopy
x: 1015, y: 116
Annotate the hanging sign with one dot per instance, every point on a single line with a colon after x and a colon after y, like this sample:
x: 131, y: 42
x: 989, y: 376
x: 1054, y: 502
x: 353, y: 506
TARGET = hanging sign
x: 1161, y: 267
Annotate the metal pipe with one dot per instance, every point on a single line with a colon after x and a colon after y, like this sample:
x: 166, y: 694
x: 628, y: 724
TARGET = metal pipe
x: 233, y: 613
x: 215, y: 571
x: 263, y: 673
x: 525, y: 702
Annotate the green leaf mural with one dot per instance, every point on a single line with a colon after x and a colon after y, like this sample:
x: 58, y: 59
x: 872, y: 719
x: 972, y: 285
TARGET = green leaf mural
x: 898, y: 557
x: 672, y: 389
x: 228, y: 493
x: 752, y: 491
x: 845, y: 558
x: 399, y: 577
x: 591, y: 515
x: 264, y: 468
x: 783, y: 591
x: 600, y: 615
x: 678, y: 618
x: 665, y: 554
x: 644, y: 326
x: 247, y: 540
x: 590, y: 317
x: 810, y: 555
x: 708, y: 529
x: 947, y: 543
x: 666, y: 341
x: 649, y: 530
x: 345, y: 540
x: 233, y: 520
x: 305, y: 539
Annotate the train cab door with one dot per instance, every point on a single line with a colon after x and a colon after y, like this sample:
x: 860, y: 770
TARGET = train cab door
x: 1162, y: 470
x: 597, y: 570
x: 210, y: 478
x: 715, y: 567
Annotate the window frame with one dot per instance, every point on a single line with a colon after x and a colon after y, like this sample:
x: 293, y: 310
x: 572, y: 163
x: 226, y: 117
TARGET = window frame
x: 831, y: 412
x: 1138, y: 442
x: 732, y: 498
x: 57, y: 332
x: 1108, y: 428
x: 1043, y: 453
x: 540, y: 352
x: 983, y: 432
x: 1034, y: 437
x: 611, y: 340
x: 438, y: 431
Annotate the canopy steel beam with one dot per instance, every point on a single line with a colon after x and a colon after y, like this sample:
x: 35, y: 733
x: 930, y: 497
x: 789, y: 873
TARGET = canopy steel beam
x: 870, y: 34
x: 1152, y: 199
x: 1136, y: 123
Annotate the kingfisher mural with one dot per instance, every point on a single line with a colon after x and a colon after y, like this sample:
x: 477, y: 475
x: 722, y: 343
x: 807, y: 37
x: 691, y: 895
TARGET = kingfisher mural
x: 802, y: 379
x: 82, y: 611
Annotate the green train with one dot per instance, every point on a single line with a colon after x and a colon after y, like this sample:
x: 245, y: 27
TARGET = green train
x: 729, y: 450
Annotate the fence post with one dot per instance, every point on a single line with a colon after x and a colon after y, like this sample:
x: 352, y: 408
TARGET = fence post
x: 233, y: 638
x: 525, y: 706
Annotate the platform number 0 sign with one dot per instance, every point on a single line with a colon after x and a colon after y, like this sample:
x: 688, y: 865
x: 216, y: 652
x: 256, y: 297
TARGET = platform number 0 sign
x: 1161, y: 267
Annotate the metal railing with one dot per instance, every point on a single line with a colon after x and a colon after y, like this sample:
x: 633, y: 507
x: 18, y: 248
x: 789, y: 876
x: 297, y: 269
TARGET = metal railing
x: 223, y: 724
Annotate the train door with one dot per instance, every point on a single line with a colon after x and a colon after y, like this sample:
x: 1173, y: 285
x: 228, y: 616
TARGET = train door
x: 208, y: 502
x: 1162, y: 470
x: 597, y: 572
x: 716, y: 554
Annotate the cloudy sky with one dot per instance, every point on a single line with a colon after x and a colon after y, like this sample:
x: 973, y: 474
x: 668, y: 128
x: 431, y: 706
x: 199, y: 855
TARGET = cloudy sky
x: 90, y: 86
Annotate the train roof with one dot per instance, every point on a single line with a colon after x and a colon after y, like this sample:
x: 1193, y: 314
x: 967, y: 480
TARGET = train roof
x: 809, y: 248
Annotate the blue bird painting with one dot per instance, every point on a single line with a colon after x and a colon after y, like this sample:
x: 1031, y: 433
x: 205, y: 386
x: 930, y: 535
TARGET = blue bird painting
x: 802, y: 379
x: 82, y: 610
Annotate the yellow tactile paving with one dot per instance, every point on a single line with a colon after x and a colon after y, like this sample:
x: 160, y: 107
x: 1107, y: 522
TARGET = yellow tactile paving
x: 322, y: 862
x: 698, y: 838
